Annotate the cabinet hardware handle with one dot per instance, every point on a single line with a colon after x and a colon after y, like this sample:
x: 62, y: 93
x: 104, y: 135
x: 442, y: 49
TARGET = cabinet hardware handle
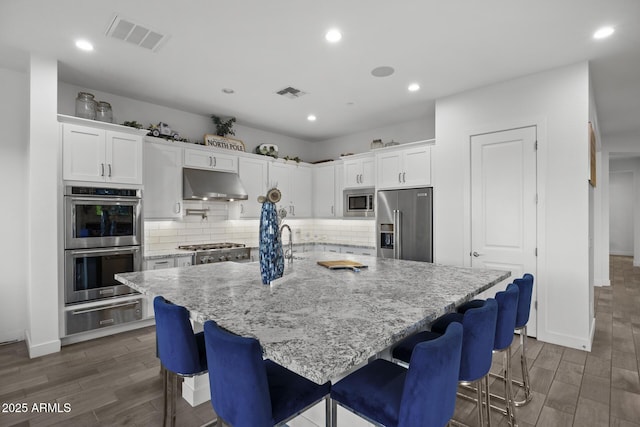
x: 101, y: 169
x: 403, y: 178
x: 161, y: 262
x: 399, y: 176
x: 332, y: 210
x: 293, y: 210
x: 214, y: 162
x: 91, y: 310
x: 109, y: 170
x: 210, y: 161
x: 241, y: 208
x: 178, y: 207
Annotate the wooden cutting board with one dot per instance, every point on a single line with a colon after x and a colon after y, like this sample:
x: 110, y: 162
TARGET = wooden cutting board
x: 342, y: 264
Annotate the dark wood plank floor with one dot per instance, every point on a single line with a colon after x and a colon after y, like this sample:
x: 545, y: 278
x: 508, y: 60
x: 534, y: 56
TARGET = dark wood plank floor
x: 112, y: 381
x: 116, y: 381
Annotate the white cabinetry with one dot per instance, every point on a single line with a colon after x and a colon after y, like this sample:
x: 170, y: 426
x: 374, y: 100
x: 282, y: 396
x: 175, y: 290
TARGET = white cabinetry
x: 294, y: 182
x: 162, y: 181
x: 96, y: 154
x: 324, y: 191
x: 208, y: 159
x: 159, y: 264
x: 360, y: 171
x: 407, y: 166
x: 254, y: 176
x: 168, y: 262
x: 183, y: 261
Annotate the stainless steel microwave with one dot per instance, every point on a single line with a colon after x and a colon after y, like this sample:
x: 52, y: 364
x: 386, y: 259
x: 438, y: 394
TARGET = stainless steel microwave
x: 359, y: 202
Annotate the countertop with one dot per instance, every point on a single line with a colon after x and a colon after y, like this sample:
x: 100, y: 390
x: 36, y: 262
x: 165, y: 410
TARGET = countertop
x: 318, y: 322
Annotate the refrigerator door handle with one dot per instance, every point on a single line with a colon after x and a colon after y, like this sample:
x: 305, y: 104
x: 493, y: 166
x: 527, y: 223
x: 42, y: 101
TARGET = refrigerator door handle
x: 397, y: 239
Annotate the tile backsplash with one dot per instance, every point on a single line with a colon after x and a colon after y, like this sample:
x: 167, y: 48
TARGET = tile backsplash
x: 163, y: 235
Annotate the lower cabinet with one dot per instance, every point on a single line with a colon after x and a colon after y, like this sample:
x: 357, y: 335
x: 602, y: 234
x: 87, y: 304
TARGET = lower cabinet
x: 168, y: 262
x: 101, y: 316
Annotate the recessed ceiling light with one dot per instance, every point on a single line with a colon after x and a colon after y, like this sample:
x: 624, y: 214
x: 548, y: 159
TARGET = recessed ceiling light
x: 84, y: 45
x: 603, y: 33
x: 414, y: 87
x: 333, y: 35
x: 228, y: 91
x: 383, y: 71
x: 311, y: 118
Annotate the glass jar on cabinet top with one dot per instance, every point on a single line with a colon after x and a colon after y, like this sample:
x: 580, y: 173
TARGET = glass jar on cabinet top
x: 86, y: 106
x: 104, y: 112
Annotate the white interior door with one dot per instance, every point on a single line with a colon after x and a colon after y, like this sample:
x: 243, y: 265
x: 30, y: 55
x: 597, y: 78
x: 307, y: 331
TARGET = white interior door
x: 503, y: 204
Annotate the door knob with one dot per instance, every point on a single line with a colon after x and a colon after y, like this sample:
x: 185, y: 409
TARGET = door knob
x: 476, y: 254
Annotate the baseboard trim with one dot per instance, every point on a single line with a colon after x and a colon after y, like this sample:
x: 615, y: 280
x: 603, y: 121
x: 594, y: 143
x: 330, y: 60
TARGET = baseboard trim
x: 41, y: 349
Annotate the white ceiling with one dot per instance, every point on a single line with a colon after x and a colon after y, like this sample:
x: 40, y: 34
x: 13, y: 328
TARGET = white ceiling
x: 259, y: 47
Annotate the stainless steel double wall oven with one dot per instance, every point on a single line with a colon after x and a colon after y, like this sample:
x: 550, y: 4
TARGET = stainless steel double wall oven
x: 103, y: 236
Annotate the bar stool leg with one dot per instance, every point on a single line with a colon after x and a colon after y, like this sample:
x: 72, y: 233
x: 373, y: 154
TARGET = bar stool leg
x: 165, y: 384
x: 526, y: 385
x: 487, y: 399
x: 479, y: 403
x: 508, y: 389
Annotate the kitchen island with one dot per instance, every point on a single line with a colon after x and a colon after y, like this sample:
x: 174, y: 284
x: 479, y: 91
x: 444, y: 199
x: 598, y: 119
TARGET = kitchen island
x: 317, y: 322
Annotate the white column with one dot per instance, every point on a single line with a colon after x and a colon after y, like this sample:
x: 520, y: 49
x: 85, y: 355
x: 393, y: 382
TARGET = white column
x: 42, y: 332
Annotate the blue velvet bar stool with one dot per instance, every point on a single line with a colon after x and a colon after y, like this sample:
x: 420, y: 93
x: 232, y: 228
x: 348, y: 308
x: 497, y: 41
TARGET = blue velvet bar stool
x: 181, y: 352
x: 247, y: 391
x: 478, y: 325
x: 423, y: 395
x: 525, y: 285
x: 507, y: 308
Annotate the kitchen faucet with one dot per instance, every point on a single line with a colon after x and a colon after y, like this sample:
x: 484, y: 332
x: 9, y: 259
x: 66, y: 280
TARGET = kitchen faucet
x: 289, y: 252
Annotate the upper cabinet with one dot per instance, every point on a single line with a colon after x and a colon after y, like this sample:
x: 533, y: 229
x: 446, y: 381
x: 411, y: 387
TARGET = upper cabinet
x: 324, y: 191
x: 403, y: 166
x: 162, y: 193
x: 99, y: 153
x: 294, y: 182
x: 205, y: 158
x: 254, y: 174
x: 359, y: 171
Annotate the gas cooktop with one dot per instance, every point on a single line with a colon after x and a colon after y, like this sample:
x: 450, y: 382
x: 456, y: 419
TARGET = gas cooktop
x: 207, y: 253
x: 211, y: 246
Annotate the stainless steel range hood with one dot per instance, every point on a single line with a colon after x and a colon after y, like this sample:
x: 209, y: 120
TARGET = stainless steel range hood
x: 200, y: 184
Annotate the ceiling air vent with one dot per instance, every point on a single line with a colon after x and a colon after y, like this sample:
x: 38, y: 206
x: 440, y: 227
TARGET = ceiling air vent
x: 137, y: 34
x: 291, y: 92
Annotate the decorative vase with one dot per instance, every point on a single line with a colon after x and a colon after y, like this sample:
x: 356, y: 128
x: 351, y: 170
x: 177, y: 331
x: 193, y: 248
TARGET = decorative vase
x: 271, y: 256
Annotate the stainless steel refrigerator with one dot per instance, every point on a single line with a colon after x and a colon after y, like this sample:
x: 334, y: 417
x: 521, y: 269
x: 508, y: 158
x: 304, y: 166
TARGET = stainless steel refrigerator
x: 405, y: 224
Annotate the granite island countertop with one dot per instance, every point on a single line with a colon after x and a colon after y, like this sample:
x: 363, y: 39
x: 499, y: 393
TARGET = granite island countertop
x: 318, y: 322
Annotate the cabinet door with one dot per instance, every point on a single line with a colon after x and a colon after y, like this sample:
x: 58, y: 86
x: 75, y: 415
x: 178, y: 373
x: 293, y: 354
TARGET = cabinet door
x: 352, y: 172
x: 159, y: 264
x: 123, y: 158
x: 254, y: 176
x: 417, y: 166
x: 389, y: 170
x: 301, y: 184
x: 368, y: 177
x: 324, y: 196
x: 83, y: 153
x: 280, y: 177
x: 183, y: 261
x: 162, y: 181
x: 209, y: 159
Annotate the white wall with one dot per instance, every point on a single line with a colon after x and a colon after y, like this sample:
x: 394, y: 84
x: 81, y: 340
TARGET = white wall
x: 14, y: 151
x: 188, y: 125
x: 410, y: 131
x: 557, y: 102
